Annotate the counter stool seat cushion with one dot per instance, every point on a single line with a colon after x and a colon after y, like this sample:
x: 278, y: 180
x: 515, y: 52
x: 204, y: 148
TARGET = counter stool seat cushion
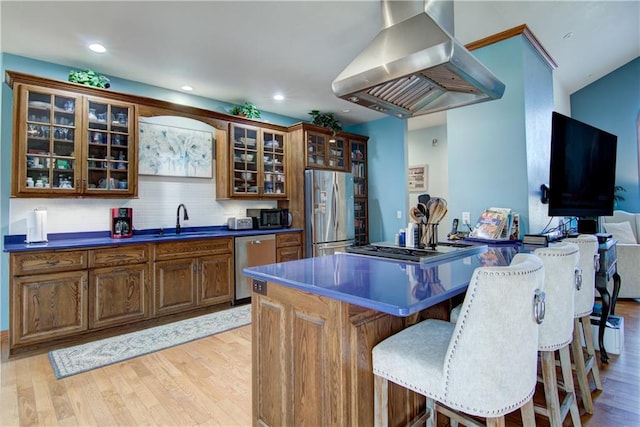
x: 483, y: 365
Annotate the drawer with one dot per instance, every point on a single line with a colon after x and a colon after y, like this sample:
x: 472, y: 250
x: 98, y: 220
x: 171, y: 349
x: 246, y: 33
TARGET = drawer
x: 47, y: 262
x: 120, y: 255
x: 188, y: 248
x: 288, y: 239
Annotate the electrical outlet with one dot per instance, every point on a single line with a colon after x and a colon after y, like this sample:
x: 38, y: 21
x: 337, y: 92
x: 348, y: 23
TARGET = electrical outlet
x: 466, y: 217
x: 399, y: 214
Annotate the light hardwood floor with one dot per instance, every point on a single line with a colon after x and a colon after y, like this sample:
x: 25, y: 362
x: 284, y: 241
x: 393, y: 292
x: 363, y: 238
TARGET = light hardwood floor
x: 208, y: 382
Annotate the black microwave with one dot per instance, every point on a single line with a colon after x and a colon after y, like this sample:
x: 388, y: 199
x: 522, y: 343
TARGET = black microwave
x: 270, y: 218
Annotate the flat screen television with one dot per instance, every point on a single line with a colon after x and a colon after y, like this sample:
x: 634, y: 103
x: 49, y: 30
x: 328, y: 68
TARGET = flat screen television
x: 582, y: 169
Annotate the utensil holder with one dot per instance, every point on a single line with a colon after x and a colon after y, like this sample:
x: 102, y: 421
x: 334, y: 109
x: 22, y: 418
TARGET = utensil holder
x: 430, y: 238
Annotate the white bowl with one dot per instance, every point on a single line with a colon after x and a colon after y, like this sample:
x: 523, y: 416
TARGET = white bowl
x: 246, y: 157
x: 246, y: 175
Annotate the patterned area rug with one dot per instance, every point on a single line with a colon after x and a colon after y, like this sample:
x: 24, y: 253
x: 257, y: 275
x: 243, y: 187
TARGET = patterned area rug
x: 84, y: 357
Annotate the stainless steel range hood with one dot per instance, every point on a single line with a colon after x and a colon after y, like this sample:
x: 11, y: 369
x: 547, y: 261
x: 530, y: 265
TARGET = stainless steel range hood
x: 414, y: 66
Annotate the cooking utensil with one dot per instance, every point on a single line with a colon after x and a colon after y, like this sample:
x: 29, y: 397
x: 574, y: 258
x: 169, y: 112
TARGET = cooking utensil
x: 437, y: 209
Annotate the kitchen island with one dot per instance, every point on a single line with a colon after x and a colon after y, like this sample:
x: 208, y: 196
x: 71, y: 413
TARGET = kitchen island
x: 316, y: 320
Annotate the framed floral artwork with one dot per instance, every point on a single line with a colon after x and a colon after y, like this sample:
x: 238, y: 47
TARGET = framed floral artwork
x: 165, y: 150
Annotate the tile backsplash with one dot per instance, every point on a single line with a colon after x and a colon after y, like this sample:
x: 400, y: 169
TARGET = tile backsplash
x: 156, y: 207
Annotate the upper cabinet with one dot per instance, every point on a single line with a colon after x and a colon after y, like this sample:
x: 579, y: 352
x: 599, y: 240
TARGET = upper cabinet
x: 325, y: 150
x: 69, y: 144
x: 257, y: 163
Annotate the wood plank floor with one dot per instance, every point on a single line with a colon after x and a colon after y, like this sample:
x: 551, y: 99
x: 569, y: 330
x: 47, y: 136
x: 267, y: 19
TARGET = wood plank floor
x: 208, y: 382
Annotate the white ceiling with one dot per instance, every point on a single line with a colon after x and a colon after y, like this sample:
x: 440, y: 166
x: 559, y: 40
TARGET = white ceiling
x: 238, y: 51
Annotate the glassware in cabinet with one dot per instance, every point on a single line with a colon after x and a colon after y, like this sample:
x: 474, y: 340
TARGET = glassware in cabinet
x: 109, y: 149
x: 48, y: 147
x: 316, y: 148
x: 273, y: 163
x: 245, y: 160
x: 358, y: 151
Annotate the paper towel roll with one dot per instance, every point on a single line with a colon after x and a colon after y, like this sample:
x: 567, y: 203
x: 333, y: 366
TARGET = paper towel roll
x: 36, y: 226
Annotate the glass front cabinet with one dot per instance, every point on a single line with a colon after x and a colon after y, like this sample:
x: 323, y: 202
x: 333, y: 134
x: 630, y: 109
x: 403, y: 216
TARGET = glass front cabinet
x: 71, y: 144
x: 257, y: 162
x: 358, y: 160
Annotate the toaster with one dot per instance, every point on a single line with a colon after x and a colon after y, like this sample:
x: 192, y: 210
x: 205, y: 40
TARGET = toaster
x: 244, y: 223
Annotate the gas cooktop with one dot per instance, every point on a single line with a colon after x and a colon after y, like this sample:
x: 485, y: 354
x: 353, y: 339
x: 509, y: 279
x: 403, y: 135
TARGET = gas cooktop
x: 422, y: 255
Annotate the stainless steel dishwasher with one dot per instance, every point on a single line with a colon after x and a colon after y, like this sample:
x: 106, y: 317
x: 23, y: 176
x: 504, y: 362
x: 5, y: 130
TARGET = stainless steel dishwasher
x: 251, y: 251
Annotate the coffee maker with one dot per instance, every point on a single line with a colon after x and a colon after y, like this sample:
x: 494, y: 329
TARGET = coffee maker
x: 121, y: 222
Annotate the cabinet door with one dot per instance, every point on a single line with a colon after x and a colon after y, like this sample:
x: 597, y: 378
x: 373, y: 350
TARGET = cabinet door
x: 175, y: 285
x: 47, y: 134
x: 273, y: 164
x: 47, y: 306
x: 215, y: 278
x: 110, y: 160
x: 358, y: 156
x: 360, y: 221
x: 245, y: 160
x: 291, y: 253
x: 117, y: 295
x: 316, y: 149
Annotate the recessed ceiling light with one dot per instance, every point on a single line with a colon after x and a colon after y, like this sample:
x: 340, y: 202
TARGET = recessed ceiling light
x: 187, y: 88
x: 278, y: 97
x: 346, y: 110
x: 97, y: 48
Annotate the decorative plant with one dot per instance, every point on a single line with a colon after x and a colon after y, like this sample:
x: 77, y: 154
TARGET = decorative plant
x: 325, y: 120
x: 89, y: 77
x: 248, y: 110
x: 618, y: 189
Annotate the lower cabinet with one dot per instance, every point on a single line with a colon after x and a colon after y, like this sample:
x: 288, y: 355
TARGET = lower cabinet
x: 193, y: 273
x: 47, y: 306
x: 288, y: 247
x: 118, y: 285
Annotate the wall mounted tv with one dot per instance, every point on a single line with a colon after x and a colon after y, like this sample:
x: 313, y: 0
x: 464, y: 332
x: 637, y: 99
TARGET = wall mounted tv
x: 582, y: 169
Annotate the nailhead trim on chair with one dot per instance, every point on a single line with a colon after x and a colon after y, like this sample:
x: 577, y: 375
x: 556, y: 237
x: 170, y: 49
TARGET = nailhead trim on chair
x: 462, y: 319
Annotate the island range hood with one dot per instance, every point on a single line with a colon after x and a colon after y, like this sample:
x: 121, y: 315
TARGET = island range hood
x: 414, y: 66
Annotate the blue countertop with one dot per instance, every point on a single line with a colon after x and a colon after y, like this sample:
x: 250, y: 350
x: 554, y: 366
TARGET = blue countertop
x: 393, y: 287
x: 16, y: 243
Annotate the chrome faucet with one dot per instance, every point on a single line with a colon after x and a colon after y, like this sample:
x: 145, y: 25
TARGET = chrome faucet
x: 185, y: 216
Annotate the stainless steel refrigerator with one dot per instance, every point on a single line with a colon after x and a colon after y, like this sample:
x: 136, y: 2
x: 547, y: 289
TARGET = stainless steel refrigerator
x: 329, y: 211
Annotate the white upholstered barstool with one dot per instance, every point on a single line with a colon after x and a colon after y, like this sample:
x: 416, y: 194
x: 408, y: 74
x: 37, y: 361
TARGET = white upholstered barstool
x: 584, y: 299
x: 556, y: 333
x: 483, y: 365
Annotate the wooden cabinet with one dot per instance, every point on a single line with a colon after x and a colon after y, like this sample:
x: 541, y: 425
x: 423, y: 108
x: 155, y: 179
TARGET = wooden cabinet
x: 319, y: 371
x: 325, y: 150
x: 48, y: 296
x: 70, y: 144
x: 288, y: 247
x: 193, y: 273
x: 118, y: 285
x: 257, y: 163
x: 358, y: 161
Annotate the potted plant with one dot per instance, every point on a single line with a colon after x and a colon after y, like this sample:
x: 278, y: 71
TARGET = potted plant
x: 616, y: 196
x: 90, y: 78
x: 247, y: 110
x: 325, y: 120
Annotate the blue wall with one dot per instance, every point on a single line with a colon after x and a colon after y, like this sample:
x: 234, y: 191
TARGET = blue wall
x: 387, y: 173
x: 612, y: 103
x: 490, y: 143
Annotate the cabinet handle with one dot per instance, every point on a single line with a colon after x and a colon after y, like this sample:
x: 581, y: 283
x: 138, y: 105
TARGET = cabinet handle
x: 84, y: 284
x: 53, y: 262
x: 256, y: 242
x: 195, y: 268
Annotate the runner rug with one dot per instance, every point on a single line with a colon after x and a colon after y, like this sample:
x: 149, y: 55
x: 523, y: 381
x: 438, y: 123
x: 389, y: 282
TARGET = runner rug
x: 85, y: 357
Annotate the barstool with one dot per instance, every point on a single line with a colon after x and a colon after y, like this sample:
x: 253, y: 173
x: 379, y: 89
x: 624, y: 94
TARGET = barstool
x: 483, y: 365
x: 560, y: 264
x: 584, y: 298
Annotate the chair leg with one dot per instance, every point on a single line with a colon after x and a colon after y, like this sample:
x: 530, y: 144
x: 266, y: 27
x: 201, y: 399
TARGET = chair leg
x: 381, y: 401
x: 528, y: 414
x: 581, y: 371
x: 567, y: 378
x: 550, y: 382
x: 495, y: 422
x: 592, y: 361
